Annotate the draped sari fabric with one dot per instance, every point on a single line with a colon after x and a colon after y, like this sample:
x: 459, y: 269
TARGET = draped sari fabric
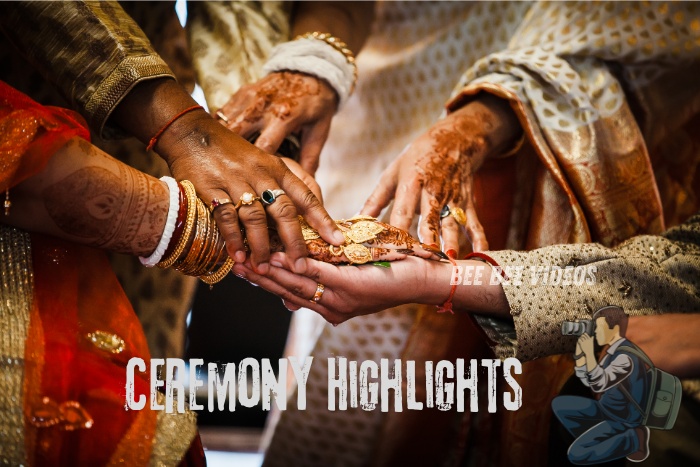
x: 68, y: 330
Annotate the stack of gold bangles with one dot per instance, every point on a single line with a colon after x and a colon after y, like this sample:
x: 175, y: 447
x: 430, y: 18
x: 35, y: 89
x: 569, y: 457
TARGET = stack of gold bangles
x: 196, y: 230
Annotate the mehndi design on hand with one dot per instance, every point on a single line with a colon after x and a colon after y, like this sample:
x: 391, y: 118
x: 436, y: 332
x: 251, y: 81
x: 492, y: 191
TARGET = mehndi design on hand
x: 366, y: 240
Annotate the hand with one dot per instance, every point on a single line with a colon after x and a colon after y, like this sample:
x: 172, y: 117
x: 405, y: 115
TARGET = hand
x: 282, y: 104
x: 586, y: 344
x: 349, y: 290
x: 220, y: 164
x: 304, y: 176
x: 437, y: 170
x: 227, y: 167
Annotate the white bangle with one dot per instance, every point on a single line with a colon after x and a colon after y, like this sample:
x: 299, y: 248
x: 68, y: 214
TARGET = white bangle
x: 170, y: 221
x: 314, y: 57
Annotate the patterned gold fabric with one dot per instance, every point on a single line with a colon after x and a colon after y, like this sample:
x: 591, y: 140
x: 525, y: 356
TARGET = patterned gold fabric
x: 231, y: 41
x: 15, y: 306
x: 93, y: 77
x: 644, y: 275
x: 572, y: 72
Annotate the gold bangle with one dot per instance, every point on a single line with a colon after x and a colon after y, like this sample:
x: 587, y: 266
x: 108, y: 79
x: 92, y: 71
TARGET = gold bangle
x: 201, y: 262
x: 217, y: 276
x: 191, y: 196
x: 189, y: 263
x: 338, y: 45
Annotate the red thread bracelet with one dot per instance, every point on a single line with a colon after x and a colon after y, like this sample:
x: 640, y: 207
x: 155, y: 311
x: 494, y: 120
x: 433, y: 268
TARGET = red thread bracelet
x: 447, y: 306
x: 488, y: 259
x: 154, y: 140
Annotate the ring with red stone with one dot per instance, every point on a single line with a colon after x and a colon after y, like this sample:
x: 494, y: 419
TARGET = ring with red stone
x: 216, y: 202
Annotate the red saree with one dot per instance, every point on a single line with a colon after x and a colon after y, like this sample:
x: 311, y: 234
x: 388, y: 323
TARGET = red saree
x: 68, y: 331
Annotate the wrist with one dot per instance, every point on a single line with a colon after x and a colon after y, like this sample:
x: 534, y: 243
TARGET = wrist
x: 434, y: 284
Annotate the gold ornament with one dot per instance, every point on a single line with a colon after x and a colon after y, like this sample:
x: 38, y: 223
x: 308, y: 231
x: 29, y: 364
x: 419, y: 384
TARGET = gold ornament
x: 364, y: 231
x: 106, y: 341
x: 357, y: 254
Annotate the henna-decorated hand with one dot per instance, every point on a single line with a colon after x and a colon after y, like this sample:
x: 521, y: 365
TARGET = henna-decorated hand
x: 437, y: 170
x: 366, y: 240
x: 282, y: 104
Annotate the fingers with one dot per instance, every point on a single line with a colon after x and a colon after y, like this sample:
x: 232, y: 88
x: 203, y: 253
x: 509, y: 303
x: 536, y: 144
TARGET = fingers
x: 272, y: 136
x: 450, y: 231
x: 227, y: 221
x: 383, y: 193
x: 288, y: 227
x: 429, y: 225
x: 475, y: 231
x: 309, y: 206
x: 304, y: 176
x: 408, y: 196
x: 254, y: 219
x: 312, y: 143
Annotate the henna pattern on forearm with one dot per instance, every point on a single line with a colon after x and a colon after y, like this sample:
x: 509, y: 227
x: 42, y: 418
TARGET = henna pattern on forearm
x: 124, y: 212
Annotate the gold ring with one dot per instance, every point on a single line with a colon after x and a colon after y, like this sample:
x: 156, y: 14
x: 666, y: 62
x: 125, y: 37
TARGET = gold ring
x: 459, y: 215
x: 216, y: 202
x: 319, y: 293
x: 221, y: 115
x: 247, y: 199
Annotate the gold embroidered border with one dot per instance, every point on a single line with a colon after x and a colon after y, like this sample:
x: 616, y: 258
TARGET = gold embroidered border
x: 16, y: 290
x: 174, y: 434
x: 117, y: 85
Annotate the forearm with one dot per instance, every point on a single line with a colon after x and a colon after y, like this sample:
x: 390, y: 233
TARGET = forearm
x: 670, y: 340
x: 82, y: 48
x: 152, y: 104
x: 480, y: 296
x: 351, y: 22
x: 87, y: 197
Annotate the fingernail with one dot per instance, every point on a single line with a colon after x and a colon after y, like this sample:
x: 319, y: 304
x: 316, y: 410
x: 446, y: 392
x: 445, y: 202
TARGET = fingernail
x: 263, y: 268
x: 239, y: 257
x: 240, y: 274
x: 451, y: 253
x: 434, y: 245
x: 276, y: 264
x: 338, y: 237
x: 300, y: 266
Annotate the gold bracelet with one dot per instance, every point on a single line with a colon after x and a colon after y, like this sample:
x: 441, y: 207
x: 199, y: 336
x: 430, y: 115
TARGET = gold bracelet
x: 187, y: 264
x: 217, y: 276
x: 217, y: 247
x: 201, y: 262
x: 191, y: 196
x: 338, y: 45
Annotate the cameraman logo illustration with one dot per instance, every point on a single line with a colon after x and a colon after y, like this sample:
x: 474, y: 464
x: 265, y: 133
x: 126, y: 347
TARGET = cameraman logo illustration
x: 635, y: 395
